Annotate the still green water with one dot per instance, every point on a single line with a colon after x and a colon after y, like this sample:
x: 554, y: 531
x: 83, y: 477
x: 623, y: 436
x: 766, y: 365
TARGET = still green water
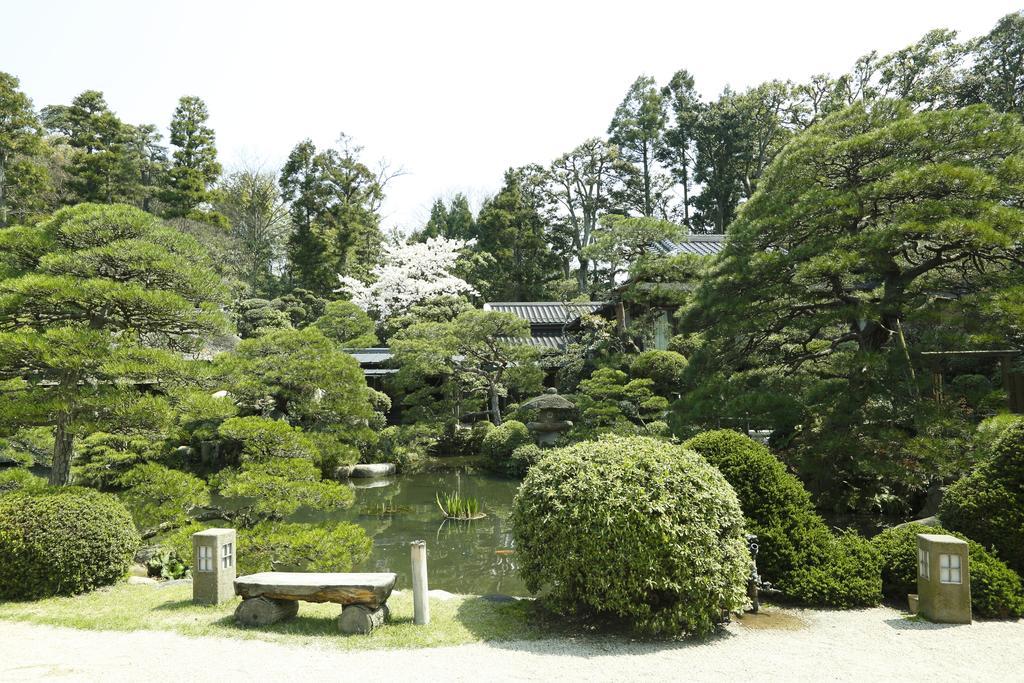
x: 462, y: 557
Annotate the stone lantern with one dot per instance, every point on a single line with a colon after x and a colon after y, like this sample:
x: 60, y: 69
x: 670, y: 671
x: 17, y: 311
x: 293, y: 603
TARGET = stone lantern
x: 213, y: 566
x: 553, y: 416
x: 943, y: 579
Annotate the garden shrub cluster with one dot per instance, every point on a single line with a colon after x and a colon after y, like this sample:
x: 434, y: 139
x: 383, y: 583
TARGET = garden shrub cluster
x: 500, y: 442
x: 666, y: 369
x: 19, y: 479
x: 996, y: 589
x: 62, y: 541
x: 635, y: 528
x: 798, y: 553
x: 988, y: 504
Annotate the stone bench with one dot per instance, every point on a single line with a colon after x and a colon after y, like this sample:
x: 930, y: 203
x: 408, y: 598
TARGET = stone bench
x: 269, y: 597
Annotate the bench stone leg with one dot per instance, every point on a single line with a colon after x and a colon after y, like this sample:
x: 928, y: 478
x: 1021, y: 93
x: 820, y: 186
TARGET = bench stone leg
x: 362, y: 619
x: 263, y: 611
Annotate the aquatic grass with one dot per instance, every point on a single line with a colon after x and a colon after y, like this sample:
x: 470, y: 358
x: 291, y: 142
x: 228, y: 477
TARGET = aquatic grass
x: 455, y: 506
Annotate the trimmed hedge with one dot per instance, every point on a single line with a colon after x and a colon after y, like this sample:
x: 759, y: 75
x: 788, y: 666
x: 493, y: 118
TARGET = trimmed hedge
x: 996, y: 590
x: 62, y: 541
x: 798, y: 553
x: 499, y: 443
x: 632, y: 527
x: 988, y: 504
x: 665, y: 368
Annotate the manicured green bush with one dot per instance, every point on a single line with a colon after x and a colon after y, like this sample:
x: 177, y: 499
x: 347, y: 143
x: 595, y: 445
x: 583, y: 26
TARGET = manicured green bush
x: 665, y: 368
x: 498, y: 444
x: 798, y: 553
x: 832, y: 570
x: 988, y: 504
x: 632, y: 527
x: 776, y: 506
x: 523, y: 458
x: 996, y: 589
x: 62, y: 541
x: 404, y: 445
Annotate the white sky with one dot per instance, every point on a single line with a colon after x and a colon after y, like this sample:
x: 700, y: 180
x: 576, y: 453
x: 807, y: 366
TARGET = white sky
x: 455, y: 92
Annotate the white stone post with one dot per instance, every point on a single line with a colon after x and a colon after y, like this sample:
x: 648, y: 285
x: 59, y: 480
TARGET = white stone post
x: 420, y: 599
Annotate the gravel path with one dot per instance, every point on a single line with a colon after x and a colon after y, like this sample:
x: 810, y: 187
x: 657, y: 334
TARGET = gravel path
x: 796, y: 645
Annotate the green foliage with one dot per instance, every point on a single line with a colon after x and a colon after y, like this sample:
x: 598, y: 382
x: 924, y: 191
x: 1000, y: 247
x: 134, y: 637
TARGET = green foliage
x: 796, y: 548
x: 996, y: 589
x: 195, y: 168
x: 835, y: 571
x: 282, y: 546
x: 27, y: 447
x: 988, y: 504
x: 20, y: 139
x: 303, y: 376
x: 97, y: 302
x: 829, y: 275
x: 522, y: 459
x: 991, y: 428
x: 477, y: 353
x: 254, y: 317
x: 404, y: 445
x: 19, y: 479
x: 275, y: 488
x: 104, y: 458
x: 633, y: 527
x: 665, y: 368
x: 511, y: 230
x: 610, y: 402
x: 347, y: 325
x: 261, y: 439
x: 62, y: 542
x: 158, y: 497
x: 334, y: 197
x: 500, y: 442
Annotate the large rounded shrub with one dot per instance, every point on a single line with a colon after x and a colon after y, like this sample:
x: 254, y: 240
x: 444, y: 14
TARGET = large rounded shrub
x: 62, y: 542
x: 633, y: 527
x: 988, y: 504
x: 797, y: 551
x: 996, y: 589
x: 498, y: 444
x: 665, y: 368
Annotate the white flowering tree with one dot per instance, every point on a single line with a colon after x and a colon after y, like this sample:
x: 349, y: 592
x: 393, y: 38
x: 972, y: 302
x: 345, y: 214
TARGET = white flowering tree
x: 410, y: 273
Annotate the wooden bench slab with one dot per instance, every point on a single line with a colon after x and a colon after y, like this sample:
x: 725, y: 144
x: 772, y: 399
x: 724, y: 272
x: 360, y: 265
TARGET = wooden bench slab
x: 370, y: 589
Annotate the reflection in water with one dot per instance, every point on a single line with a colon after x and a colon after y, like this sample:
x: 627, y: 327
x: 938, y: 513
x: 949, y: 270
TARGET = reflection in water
x: 463, y: 557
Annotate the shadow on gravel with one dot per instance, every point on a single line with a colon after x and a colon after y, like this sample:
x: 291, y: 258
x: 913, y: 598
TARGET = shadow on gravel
x: 912, y: 623
x: 551, y: 634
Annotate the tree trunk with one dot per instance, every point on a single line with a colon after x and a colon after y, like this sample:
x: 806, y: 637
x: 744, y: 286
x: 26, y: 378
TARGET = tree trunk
x: 3, y: 197
x: 495, y: 409
x: 63, y: 450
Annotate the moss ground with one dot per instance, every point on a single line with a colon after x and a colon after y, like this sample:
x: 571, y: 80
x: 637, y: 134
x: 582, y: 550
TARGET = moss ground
x: 463, y: 619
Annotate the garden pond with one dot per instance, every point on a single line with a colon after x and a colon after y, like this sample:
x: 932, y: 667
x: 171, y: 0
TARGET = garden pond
x: 472, y: 557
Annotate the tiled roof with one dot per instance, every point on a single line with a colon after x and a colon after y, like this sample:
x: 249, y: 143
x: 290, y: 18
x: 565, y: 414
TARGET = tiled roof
x: 698, y: 245
x: 545, y: 340
x: 372, y: 356
x: 545, y: 312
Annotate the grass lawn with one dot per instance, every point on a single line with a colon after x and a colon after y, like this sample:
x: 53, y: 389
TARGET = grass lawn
x: 463, y: 619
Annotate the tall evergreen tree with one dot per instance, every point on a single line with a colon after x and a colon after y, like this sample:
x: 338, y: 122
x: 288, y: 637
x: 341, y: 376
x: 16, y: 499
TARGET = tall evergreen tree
x: 510, y: 228
x: 102, y: 166
x: 453, y: 221
x: 194, y: 168
x: 334, y: 200
x: 21, y: 179
x: 637, y: 128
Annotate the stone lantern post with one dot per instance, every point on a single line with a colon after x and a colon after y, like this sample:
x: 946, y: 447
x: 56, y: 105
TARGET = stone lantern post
x: 213, y: 566
x: 553, y: 413
x: 943, y: 579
